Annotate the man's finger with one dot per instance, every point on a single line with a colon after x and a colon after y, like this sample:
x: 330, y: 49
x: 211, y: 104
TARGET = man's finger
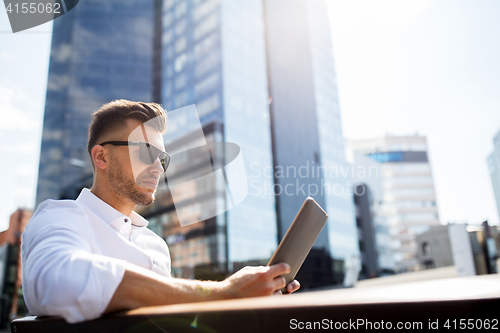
x: 279, y: 269
x: 279, y: 283
x: 293, y: 286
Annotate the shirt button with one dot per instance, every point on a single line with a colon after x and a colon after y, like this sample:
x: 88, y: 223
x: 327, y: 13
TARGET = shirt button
x: 126, y: 220
x: 154, y: 262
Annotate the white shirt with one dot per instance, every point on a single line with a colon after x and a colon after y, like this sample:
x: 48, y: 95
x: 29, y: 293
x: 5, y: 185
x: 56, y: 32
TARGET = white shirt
x: 74, y: 254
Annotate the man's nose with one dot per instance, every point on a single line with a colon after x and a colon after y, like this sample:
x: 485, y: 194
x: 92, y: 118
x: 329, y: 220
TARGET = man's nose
x: 156, y: 167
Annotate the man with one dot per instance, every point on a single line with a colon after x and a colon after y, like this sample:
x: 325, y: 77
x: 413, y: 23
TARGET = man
x: 85, y: 257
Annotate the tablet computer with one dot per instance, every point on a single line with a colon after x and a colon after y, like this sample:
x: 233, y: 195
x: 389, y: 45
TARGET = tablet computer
x: 300, y: 238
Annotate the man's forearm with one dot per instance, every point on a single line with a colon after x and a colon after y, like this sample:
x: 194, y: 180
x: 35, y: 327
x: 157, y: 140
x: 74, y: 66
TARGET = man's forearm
x: 140, y: 287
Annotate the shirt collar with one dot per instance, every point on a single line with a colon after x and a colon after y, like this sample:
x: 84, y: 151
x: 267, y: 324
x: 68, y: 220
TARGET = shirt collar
x: 105, y: 212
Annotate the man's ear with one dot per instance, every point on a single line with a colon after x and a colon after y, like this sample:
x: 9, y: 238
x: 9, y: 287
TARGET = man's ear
x: 99, y: 157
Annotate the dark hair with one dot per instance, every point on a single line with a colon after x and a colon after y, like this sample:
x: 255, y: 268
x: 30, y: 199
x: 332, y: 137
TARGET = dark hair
x: 114, y: 114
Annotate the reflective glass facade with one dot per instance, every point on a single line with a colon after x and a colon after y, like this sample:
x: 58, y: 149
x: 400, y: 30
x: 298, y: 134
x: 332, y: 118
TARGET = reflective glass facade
x: 307, y: 136
x: 101, y: 51
x: 213, y: 56
x: 375, y: 242
x: 494, y: 167
x: 221, y: 56
x: 341, y: 228
x: 252, y: 230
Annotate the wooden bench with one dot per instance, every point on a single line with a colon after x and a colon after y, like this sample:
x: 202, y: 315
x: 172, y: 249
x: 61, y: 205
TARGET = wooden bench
x: 453, y: 302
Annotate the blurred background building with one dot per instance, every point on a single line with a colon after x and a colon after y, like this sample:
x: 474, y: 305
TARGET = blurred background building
x: 375, y: 242
x: 214, y: 56
x: 472, y: 249
x: 101, y: 51
x: 11, y: 297
x: 306, y: 129
x: 494, y: 166
x: 409, y: 199
x: 262, y: 76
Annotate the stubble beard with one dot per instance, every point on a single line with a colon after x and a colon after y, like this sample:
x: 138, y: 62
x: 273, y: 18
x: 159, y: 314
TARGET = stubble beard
x: 127, y: 188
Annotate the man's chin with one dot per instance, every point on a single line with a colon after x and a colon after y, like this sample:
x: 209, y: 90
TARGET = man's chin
x: 146, y: 203
x: 147, y: 199
x: 143, y: 196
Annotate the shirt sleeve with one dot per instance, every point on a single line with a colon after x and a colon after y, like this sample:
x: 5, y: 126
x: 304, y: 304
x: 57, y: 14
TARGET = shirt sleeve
x: 61, y: 275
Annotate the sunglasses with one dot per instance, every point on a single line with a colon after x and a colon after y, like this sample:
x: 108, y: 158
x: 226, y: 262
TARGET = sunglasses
x: 147, y: 152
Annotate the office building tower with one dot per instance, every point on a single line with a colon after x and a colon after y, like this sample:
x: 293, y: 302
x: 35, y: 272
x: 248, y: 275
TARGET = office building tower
x: 375, y: 243
x: 12, y: 300
x: 214, y: 56
x: 494, y: 167
x: 230, y: 59
x: 363, y: 201
x: 409, y: 203
x: 101, y: 51
x: 306, y: 125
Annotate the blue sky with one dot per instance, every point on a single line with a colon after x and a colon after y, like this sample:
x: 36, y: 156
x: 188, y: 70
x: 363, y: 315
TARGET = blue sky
x: 24, y: 61
x: 431, y: 67
x: 426, y: 66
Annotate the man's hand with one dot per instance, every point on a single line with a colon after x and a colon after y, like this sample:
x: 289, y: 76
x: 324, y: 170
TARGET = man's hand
x: 259, y: 281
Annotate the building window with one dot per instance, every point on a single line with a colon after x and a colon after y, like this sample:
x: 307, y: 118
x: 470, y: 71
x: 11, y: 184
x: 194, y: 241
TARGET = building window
x: 208, y: 105
x: 167, y: 4
x: 167, y: 90
x: 180, y: 45
x: 167, y: 37
x: 203, y: 46
x: 180, y: 82
x: 426, y: 249
x: 205, y: 8
x: 181, y: 9
x: 205, y: 65
x: 180, y: 61
x: 180, y: 27
x: 167, y: 19
x: 180, y: 100
x: 206, y: 85
x: 205, y: 26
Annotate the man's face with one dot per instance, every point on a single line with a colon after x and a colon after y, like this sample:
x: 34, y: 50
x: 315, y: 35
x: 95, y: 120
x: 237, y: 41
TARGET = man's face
x: 128, y: 176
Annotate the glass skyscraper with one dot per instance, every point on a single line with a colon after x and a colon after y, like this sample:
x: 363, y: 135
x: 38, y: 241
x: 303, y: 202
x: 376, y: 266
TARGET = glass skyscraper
x: 307, y: 134
x: 375, y: 242
x: 265, y: 71
x: 101, y: 51
x: 214, y: 56
x: 494, y: 167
